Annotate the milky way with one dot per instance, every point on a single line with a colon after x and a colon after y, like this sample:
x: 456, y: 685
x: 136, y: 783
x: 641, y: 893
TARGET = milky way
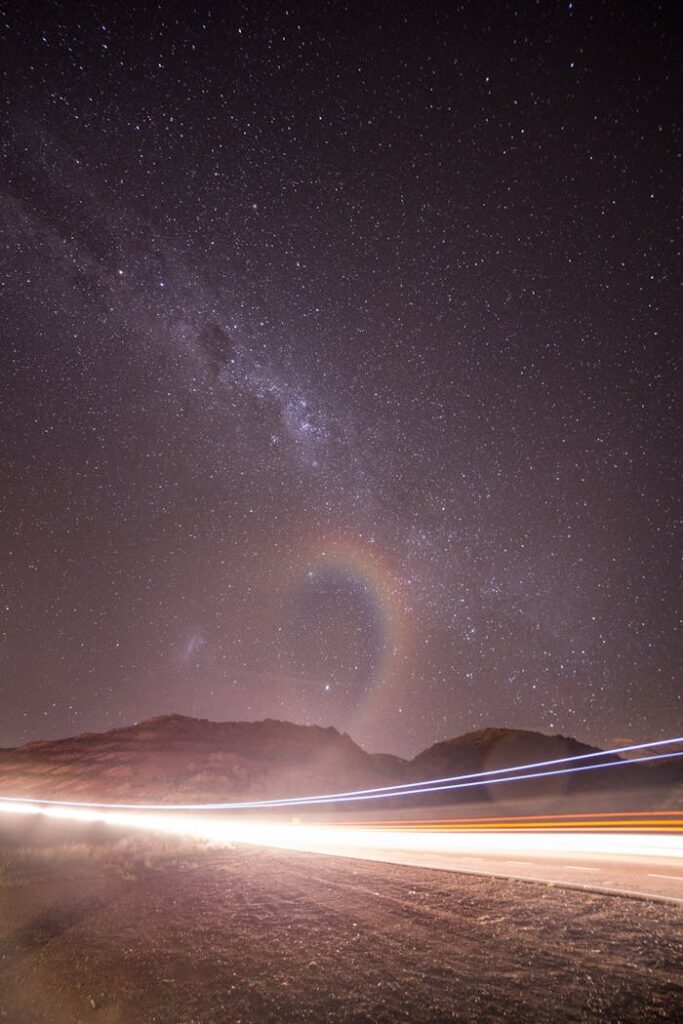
x: 338, y: 368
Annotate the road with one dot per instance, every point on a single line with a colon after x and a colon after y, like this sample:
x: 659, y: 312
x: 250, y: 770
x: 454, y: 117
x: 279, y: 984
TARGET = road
x: 167, y: 931
x: 654, y: 875
x: 637, y: 854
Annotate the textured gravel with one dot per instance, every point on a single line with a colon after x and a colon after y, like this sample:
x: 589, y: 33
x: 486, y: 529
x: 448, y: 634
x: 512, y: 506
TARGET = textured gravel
x: 97, y: 928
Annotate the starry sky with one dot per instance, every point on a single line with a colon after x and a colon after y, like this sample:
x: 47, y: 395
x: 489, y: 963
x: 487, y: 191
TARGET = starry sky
x: 338, y: 369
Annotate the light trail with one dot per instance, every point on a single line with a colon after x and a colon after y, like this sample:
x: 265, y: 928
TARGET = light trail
x: 455, y: 782
x: 610, y: 821
x: 496, y: 819
x: 364, y: 840
x: 643, y: 859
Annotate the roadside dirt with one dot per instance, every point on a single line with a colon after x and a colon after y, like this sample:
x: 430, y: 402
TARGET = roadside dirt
x: 103, y: 929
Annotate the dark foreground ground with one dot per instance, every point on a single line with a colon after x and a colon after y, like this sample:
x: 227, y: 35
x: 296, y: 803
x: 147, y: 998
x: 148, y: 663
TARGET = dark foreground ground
x: 95, y: 927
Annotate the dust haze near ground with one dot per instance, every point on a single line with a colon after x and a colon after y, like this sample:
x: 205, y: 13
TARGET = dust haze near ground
x: 173, y: 758
x: 100, y: 927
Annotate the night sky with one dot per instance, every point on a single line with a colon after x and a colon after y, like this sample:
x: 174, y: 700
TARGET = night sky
x: 338, y: 368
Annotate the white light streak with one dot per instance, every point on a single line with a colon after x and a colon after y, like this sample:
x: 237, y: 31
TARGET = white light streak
x: 365, y: 841
x: 455, y: 782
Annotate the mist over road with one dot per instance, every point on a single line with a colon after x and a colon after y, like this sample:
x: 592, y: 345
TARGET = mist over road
x: 637, y: 855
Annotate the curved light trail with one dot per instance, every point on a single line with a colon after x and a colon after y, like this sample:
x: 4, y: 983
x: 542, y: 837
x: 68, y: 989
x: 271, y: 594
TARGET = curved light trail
x: 628, y: 859
x: 475, y: 779
x: 621, y: 853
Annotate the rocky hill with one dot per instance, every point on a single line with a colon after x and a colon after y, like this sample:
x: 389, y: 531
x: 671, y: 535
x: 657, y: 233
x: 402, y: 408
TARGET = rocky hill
x: 489, y: 749
x: 627, y: 786
x: 174, y: 758
x: 181, y: 759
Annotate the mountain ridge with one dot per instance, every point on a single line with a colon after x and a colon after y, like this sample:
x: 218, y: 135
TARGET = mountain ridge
x: 179, y: 758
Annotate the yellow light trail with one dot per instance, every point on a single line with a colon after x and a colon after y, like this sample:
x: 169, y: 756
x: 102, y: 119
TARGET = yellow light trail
x: 646, y: 821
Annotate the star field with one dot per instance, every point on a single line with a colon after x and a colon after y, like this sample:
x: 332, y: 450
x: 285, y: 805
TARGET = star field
x: 339, y: 368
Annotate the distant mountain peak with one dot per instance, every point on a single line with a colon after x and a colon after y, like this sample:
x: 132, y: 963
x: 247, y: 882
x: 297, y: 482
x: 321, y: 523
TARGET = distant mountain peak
x: 181, y: 759
x: 493, y: 748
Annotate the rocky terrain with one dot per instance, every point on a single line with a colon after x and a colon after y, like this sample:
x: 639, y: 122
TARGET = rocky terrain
x: 99, y: 927
x: 177, y: 757
x: 173, y: 758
